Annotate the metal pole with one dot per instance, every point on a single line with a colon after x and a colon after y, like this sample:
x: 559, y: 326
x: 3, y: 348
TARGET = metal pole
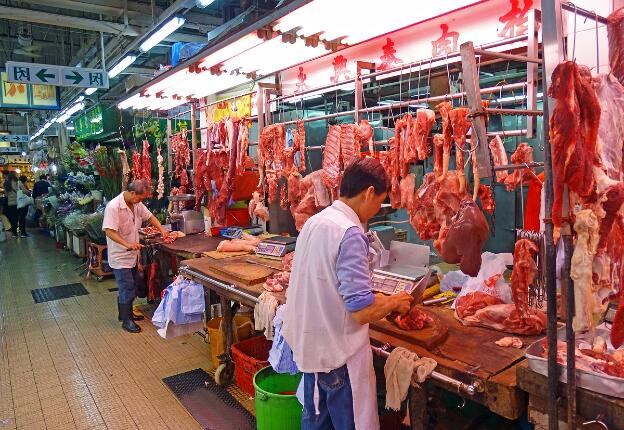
x: 531, y: 68
x: 570, y: 337
x: 571, y: 7
x: 552, y: 54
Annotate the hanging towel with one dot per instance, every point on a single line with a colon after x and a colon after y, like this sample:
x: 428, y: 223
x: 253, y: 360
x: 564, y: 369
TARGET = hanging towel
x: 403, y: 368
x: 281, y: 356
x: 264, y: 313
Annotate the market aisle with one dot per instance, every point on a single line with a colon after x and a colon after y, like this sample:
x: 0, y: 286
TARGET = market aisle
x: 67, y: 364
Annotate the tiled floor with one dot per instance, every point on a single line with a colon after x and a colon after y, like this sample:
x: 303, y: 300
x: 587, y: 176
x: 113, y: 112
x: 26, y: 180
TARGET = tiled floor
x: 67, y: 364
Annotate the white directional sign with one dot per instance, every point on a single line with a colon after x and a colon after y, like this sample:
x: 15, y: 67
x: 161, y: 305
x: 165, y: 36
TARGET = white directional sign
x: 30, y: 73
x: 14, y: 138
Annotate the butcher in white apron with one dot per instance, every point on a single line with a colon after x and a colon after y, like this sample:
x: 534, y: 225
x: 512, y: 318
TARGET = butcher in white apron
x: 330, y: 304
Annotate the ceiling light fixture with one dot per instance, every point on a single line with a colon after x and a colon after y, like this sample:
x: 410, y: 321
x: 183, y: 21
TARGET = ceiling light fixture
x: 204, y: 3
x: 165, y: 30
x: 90, y: 91
x: 122, y: 65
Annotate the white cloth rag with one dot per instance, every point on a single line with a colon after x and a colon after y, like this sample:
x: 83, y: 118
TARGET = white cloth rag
x: 264, y: 312
x: 403, y: 368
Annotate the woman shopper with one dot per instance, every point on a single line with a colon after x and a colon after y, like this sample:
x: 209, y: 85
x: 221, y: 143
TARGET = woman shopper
x: 23, y: 211
x: 10, y: 190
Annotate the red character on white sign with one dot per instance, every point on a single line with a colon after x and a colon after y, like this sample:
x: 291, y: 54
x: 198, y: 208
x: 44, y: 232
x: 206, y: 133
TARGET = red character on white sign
x: 446, y: 43
x: 301, y: 78
x: 388, y: 59
x: 516, y: 19
x: 340, y: 69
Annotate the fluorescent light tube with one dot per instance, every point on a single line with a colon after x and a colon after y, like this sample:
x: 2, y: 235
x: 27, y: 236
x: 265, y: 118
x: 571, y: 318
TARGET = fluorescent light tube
x: 169, y: 27
x: 122, y: 65
x: 204, y: 3
x: 90, y: 91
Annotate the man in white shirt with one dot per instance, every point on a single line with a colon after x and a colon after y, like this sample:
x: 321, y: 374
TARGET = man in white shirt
x: 123, y: 218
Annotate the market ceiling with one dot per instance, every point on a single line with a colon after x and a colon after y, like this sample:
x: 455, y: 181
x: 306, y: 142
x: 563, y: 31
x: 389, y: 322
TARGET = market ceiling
x: 299, y: 31
x: 73, y: 32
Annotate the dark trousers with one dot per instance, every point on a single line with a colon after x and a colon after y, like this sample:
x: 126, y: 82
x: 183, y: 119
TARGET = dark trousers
x: 126, y: 282
x: 21, y: 215
x: 11, y: 213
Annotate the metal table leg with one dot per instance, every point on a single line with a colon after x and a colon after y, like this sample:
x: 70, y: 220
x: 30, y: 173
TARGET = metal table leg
x: 225, y: 371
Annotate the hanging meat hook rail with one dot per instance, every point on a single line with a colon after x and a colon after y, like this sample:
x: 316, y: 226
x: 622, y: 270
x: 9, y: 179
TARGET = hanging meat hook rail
x: 470, y: 389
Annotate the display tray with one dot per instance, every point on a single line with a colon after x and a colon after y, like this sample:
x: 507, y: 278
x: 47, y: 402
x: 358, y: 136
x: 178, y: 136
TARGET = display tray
x: 594, y: 381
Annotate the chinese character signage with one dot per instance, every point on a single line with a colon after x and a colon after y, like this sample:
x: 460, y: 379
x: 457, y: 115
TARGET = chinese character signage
x: 20, y: 95
x: 30, y: 73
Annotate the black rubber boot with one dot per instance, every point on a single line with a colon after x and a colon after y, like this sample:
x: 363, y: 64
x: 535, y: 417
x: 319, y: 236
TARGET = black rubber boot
x: 127, y: 324
x: 135, y: 317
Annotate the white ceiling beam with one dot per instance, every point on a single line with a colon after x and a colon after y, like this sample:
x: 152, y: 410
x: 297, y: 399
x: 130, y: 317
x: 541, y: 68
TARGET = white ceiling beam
x: 27, y: 15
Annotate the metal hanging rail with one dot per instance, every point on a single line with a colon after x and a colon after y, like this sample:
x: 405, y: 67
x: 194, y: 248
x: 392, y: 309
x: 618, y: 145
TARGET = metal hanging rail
x: 571, y: 7
x: 397, y: 105
x: 506, y: 56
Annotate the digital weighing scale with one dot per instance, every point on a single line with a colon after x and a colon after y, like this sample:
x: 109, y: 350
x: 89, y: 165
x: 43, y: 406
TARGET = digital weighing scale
x: 393, y: 279
x: 276, y: 247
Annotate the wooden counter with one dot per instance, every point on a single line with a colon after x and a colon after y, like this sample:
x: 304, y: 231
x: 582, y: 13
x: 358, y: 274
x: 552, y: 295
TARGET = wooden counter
x: 190, y: 246
x: 469, y: 354
x: 589, y: 404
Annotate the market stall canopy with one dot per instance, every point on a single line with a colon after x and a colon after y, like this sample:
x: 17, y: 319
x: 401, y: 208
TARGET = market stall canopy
x: 298, y: 32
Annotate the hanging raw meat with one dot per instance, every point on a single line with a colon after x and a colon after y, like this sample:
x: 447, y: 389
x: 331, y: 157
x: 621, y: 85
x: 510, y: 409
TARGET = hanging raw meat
x: 487, y: 199
x: 407, y: 191
x: 460, y: 125
x: 586, y: 228
x: 425, y: 119
x: 302, y: 150
x: 615, y: 34
x: 349, y: 145
x: 522, y: 155
x: 610, y: 143
x: 573, y: 133
x: 524, y: 270
x: 365, y: 134
x: 404, y: 144
x: 243, y: 160
x: 137, y: 168
x: 146, y: 163
x: 257, y: 207
x: 309, y: 196
x: 331, y: 160
x: 272, y: 185
x: 160, y: 189
x: 499, y: 157
x: 462, y: 241
x: 447, y: 131
x: 125, y: 169
x: 438, y: 154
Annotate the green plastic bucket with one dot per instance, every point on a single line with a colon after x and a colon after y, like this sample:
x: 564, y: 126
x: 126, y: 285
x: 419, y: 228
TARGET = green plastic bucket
x: 277, y: 407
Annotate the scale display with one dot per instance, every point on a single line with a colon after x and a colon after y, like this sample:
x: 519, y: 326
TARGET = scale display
x: 393, y: 279
x: 276, y: 247
x: 390, y: 285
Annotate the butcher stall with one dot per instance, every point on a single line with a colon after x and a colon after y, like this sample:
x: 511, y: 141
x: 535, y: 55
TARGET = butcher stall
x: 500, y: 138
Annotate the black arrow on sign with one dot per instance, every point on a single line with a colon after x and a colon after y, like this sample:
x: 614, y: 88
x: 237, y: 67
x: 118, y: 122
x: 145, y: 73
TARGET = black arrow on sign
x: 42, y: 75
x: 77, y: 78
x: 4, y: 138
x: 15, y: 138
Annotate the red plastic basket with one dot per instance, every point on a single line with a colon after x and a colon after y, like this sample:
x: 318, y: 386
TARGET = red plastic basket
x: 249, y: 357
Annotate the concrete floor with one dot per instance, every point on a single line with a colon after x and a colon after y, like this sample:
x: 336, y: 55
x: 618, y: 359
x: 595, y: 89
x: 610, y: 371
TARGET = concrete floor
x: 67, y: 364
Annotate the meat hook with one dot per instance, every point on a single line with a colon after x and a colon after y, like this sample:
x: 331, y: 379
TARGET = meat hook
x: 597, y: 44
x: 574, y: 38
x: 598, y: 421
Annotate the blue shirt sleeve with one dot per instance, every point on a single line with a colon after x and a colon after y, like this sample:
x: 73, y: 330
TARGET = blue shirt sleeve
x: 353, y: 270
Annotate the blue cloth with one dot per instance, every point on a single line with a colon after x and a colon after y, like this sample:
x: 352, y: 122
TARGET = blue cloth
x: 335, y: 401
x: 182, y: 303
x: 353, y: 271
x: 126, y: 283
x: 281, y: 356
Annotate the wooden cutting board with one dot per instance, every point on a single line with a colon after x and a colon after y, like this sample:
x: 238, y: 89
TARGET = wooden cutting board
x: 221, y: 255
x: 249, y: 274
x: 434, y: 334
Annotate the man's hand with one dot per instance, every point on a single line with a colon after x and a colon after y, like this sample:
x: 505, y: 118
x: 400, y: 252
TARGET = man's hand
x: 164, y: 233
x: 134, y: 246
x: 402, y: 302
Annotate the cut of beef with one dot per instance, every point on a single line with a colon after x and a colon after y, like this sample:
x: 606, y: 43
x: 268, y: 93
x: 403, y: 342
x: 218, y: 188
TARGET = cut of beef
x: 464, y: 240
x: 425, y: 119
x: 524, y: 270
x: 146, y: 164
x: 488, y: 203
x: 615, y: 34
x: 331, y: 160
x: 438, y: 154
x: 470, y: 303
x: 407, y: 191
x: 610, y: 144
x: 505, y: 318
x: 349, y: 146
x: 573, y: 132
x: 415, y: 319
x: 523, y: 154
x: 499, y: 156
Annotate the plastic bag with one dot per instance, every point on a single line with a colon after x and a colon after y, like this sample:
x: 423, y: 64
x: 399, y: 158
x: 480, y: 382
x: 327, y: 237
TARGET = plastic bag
x: 490, y: 277
x: 182, y: 304
x: 453, y: 281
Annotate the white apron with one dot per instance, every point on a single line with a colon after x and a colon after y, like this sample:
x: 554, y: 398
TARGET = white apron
x: 321, y: 332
